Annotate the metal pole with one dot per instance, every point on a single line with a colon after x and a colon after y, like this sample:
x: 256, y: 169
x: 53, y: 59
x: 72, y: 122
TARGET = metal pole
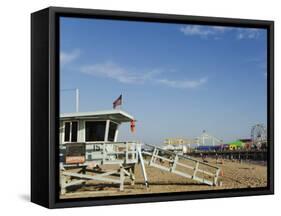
x: 142, y: 166
x: 77, y: 99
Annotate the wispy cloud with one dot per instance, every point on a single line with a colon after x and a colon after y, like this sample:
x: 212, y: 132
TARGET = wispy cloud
x: 119, y: 73
x: 127, y: 75
x: 183, y: 83
x: 247, y: 34
x: 215, y: 32
x: 204, y: 31
x: 67, y: 57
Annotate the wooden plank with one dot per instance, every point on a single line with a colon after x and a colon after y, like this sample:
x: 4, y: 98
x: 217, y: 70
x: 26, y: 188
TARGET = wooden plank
x: 160, y: 167
x: 147, y: 153
x: 89, y: 177
x: 108, y: 173
x: 142, y: 161
x: 186, y: 166
x: 122, y: 178
x: 152, y: 157
x: 74, y: 182
x: 126, y: 172
x: 195, y: 170
x: 182, y: 174
x: 204, y: 181
x: 175, y: 162
x: 163, y: 158
x: 206, y: 172
x: 216, y: 177
x: 113, y: 162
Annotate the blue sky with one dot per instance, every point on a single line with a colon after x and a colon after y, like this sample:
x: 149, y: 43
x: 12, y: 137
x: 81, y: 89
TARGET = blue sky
x: 176, y: 80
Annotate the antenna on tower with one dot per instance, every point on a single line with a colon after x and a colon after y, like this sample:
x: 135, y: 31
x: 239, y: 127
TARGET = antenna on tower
x: 76, y: 97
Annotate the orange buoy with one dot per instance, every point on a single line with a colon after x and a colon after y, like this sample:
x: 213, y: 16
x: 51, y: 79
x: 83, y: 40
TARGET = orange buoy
x: 133, y: 126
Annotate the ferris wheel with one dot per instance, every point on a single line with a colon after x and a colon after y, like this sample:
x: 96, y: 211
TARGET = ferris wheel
x: 259, y: 135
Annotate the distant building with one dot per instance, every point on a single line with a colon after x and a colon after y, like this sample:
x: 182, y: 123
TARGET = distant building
x: 176, y: 141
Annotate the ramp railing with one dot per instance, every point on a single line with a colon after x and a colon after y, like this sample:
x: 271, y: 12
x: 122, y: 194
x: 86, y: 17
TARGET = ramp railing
x: 181, y: 165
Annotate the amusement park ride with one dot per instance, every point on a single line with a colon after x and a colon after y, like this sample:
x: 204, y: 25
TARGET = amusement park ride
x: 209, y: 142
x: 259, y: 136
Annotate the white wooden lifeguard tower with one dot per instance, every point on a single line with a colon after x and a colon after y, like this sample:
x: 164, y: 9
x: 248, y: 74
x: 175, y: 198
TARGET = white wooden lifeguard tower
x: 88, y: 140
x: 95, y: 129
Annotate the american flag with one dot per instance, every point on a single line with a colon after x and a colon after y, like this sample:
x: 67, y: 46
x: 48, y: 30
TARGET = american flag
x: 117, y: 102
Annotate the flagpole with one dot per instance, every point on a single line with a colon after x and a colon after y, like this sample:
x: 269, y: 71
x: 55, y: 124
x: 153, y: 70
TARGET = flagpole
x: 76, y: 97
x: 120, y: 106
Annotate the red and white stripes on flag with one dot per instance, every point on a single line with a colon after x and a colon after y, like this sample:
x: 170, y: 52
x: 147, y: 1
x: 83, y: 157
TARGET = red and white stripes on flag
x: 117, y: 102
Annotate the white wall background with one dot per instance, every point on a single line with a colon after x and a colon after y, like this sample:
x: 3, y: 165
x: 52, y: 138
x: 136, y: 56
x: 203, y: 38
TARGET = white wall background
x: 15, y: 106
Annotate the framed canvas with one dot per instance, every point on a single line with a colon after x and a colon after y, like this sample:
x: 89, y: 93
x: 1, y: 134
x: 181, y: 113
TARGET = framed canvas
x: 139, y: 107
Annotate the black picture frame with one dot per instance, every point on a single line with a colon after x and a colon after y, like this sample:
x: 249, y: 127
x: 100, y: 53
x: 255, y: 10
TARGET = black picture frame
x: 45, y: 106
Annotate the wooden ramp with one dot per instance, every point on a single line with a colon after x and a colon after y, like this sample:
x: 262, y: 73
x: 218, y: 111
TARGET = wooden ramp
x: 125, y: 156
x: 181, y: 165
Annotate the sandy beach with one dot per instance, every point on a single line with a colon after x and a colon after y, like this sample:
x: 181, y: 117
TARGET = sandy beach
x: 234, y: 175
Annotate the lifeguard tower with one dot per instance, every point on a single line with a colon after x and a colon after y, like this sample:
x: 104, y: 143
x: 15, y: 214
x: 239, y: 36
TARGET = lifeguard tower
x: 88, y: 141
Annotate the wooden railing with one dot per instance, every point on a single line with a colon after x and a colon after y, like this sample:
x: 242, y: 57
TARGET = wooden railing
x: 182, y: 165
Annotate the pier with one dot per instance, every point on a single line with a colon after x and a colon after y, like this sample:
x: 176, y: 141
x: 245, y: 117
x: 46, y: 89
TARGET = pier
x: 253, y: 154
